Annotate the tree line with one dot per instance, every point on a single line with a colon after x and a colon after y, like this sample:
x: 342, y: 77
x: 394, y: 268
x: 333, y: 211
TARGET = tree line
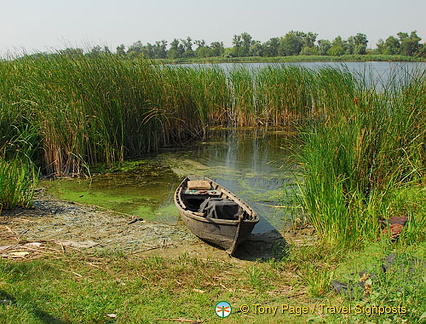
x: 291, y: 44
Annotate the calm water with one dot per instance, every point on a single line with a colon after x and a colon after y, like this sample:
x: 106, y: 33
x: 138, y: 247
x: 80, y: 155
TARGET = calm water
x: 378, y: 73
x: 254, y: 164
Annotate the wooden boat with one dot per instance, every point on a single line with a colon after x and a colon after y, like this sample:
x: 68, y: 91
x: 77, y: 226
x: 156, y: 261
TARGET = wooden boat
x: 213, y: 213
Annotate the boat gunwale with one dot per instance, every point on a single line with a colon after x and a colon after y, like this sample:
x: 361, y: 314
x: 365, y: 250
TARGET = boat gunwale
x: 190, y: 214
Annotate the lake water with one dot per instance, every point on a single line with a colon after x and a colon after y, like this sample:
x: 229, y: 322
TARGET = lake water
x: 377, y: 72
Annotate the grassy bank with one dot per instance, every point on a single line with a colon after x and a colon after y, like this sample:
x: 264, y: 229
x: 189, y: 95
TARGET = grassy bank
x: 295, y: 59
x: 107, y: 288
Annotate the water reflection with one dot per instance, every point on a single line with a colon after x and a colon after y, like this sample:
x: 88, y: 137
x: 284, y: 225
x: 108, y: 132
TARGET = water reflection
x: 255, y: 164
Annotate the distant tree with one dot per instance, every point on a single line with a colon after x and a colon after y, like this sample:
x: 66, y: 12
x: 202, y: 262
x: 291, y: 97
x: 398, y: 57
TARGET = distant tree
x: 309, y: 39
x: 202, y: 49
x: 337, y: 47
x: 217, y: 49
x: 409, y: 44
x: 71, y: 52
x: 309, y: 51
x: 135, y: 50
x: 323, y: 46
x: 247, y: 41
x: 270, y: 48
x: 256, y: 49
x: 176, y: 49
x: 237, y: 49
x: 380, y: 46
x: 309, y: 47
x: 391, y: 46
x: 349, y: 45
x: 160, y: 49
x: 147, y: 51
x: 187, y: 47
x: 95, y: 51
x: 360, y: 41
x: 290, y: 44
x: 421, y: 52
x: 121, y: 50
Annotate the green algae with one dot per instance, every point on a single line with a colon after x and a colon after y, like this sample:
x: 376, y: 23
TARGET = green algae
x: 139, y: 189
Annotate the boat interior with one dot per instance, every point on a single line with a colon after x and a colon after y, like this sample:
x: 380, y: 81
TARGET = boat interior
x: 202, y: 198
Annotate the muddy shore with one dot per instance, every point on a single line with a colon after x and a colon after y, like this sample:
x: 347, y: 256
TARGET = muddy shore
x: 53, y: 225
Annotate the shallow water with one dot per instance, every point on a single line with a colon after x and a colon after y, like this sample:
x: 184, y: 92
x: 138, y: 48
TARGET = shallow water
x: 255, y: 164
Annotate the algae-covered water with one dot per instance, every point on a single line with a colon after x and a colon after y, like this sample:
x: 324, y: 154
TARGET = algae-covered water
x: 255, y: 164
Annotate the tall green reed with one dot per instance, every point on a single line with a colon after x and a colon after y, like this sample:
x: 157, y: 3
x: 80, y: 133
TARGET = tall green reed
x: 18, y: 174
x: 360, y: 157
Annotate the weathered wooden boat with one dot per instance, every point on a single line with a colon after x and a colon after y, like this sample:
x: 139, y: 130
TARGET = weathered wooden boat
x: 213, y: 213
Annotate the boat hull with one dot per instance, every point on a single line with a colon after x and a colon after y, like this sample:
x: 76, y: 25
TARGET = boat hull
x: 225, y: 233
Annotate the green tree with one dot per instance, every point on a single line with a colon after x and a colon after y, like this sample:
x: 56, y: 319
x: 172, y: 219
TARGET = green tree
x: 337, y: 47
x: 135, y: 50
x: 176, y: 49
x: 409, y: 44
x: 270, y: 48
x: 349, y: 45
x: 237, y: 50
x: 360, y: 42
x: 309, y: 39
x: 247, y: 41
x: 391, y: 46
x: 290, y: 44
x: 323, y: 46
x: 202, y: 49
x: 160, y: 49
x: 256, y: 49
x: 121, y: 50
x: 188, y: 52
x: 217, y: 49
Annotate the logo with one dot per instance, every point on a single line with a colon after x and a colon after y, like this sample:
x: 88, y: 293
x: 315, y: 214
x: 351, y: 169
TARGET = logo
x: 223, y: 309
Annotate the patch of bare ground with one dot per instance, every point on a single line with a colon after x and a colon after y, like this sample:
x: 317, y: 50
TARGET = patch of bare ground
x: 56, y: 226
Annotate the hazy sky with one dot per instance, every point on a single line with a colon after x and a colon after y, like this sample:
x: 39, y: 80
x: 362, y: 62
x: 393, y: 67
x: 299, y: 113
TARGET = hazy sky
x: 43, y: 25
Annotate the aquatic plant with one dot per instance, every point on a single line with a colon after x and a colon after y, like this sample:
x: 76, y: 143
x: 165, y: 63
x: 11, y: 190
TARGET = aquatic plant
x: 362, y: 157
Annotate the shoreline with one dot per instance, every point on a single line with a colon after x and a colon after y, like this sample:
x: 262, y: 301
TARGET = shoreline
x: 62, y: 225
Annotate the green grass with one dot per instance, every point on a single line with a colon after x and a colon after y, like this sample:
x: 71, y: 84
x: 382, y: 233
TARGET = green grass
x: 18, y: 181
x: 138, y: 290
x: 85, y: 288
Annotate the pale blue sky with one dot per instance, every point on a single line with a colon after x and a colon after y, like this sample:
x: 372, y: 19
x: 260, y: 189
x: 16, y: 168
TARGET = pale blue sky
x: 40, y: 25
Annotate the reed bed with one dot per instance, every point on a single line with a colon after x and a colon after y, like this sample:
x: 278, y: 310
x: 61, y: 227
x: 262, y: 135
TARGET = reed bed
x: 103, y: 109
x: 363, y: 150
x: 363, y: 158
